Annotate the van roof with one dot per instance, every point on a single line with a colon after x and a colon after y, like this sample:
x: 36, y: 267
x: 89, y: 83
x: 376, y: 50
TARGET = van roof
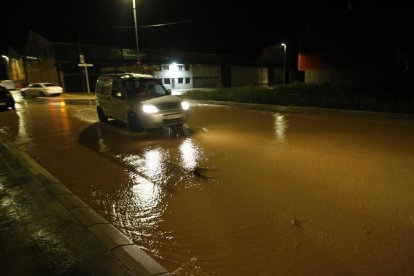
x: 128, y: 75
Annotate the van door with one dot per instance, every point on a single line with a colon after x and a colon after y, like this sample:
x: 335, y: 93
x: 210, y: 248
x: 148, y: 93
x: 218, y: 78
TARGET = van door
x: 104, y: 97
x: 119, y: 106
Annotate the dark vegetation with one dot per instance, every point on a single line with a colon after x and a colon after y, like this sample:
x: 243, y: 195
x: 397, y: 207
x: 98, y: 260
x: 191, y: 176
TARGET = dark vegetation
x: 312, y: 95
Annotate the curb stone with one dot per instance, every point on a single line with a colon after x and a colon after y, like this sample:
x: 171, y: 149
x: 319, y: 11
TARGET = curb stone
x: 306, y: 110
x: 136, y: 260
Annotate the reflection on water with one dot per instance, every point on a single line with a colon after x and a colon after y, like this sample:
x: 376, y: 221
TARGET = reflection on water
x: 280, y: 126
x: 9, y: 123
x: 190, y: 154
x: 152, y: 164
x: 31, y: 122
x: 155, y: 172
x: 139, y: 211
x: 166, y: 166
x: 22, y: 129
x: 59, y: 115
x: 266, y: 216
x: 158, y: 165
x: 102, y: 147
x: 146, y: 194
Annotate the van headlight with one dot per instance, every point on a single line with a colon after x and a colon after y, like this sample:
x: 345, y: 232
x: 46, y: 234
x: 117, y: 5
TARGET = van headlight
x: 185, y: 105
x: 149, y: 108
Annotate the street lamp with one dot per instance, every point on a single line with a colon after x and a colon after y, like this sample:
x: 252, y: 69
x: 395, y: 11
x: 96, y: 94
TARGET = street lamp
x: 284, y: 62
x: 136, y: 30
x: 6, y: 58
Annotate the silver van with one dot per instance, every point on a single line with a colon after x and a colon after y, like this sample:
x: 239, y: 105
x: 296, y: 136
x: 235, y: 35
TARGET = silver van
x: 139, y: 100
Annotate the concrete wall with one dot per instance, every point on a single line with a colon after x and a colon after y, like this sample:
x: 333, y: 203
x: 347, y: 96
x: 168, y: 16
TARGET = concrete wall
x: 16, y: 72
x: 206, y: 76
x: 44, y: 71
x: 352, y: 77
x: 248, y: 75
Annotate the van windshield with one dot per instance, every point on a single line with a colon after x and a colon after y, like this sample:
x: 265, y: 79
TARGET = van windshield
x: 144, y: 88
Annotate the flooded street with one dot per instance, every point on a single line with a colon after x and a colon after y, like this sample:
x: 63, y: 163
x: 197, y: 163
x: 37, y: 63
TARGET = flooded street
x: 238, y: 191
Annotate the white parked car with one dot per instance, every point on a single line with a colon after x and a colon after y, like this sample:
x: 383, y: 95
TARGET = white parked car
x: 41, y: 89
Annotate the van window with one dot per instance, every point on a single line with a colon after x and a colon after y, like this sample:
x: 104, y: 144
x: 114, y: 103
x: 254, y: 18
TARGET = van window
x: 99, y: 85
x: 117, y: 89
x: 147, y: 88
x: 106, y: 87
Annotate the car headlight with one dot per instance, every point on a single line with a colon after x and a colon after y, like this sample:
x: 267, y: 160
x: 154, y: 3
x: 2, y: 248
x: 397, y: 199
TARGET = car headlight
x: 185, y: 105
x: 149, y: 108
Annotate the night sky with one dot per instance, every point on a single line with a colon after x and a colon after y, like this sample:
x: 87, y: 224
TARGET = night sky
x: 226, y: 27
x: 208, y: 26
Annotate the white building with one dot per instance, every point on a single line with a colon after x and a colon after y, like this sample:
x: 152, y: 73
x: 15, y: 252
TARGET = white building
x: 59, y: 63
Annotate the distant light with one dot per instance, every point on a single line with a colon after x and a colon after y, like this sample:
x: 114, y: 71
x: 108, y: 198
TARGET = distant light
x: 6, y: 58
x: 283, y: 44
x: 173, y: 67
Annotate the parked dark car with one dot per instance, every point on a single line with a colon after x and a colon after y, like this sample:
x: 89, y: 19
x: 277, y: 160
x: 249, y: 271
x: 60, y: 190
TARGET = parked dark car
x: 6, y: 99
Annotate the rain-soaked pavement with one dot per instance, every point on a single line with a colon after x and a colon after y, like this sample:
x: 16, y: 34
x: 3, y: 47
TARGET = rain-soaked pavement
x: 238, y: 191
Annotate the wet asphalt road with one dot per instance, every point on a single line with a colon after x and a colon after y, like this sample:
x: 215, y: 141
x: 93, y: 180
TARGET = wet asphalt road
x: 238, y: 191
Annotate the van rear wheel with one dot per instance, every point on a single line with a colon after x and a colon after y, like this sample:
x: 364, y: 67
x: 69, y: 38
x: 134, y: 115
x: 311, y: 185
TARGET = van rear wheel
x: 133, y: 123
x: 101, y: 115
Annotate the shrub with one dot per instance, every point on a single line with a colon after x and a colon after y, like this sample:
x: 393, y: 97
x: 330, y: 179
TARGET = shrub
x: 311, y: 95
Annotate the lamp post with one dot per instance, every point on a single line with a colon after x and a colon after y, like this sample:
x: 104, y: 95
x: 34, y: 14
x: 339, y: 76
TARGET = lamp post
x: 6, y: 68
x: 284, y: 62
x: 136, y: 30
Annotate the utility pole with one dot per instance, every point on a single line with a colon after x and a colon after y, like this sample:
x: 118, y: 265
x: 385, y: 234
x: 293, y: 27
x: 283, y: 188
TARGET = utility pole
x: 284, y: 62
x: 136, y: 30
x: 85, y: 65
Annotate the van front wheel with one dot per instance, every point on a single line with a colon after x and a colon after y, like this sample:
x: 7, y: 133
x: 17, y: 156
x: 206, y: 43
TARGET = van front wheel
x: 101, y: 115
x: 133, y: 123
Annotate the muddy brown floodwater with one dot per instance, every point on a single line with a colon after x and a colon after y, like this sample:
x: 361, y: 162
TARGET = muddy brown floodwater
x: 238, y: 191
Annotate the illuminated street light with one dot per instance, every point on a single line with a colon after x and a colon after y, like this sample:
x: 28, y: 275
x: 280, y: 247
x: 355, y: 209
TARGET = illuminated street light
x: 136, y: 30
x: 5, y: 58
x: 6, y: 68
x: 284, y: 62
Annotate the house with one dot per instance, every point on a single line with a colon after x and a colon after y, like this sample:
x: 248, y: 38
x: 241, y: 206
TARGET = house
x: 13, y: 69
x: 65, y: 64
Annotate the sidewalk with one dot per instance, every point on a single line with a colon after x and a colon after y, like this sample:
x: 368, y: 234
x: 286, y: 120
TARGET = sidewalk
x: 78, y: 95
x: 47, y: 230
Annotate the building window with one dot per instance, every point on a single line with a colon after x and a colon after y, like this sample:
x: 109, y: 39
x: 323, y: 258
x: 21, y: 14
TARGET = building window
x: 187, y: 67
x: 180, y: 67
x: 165, y: 67
x: 180, y: 80
x: 187, y: 80
x: 167, y: 81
